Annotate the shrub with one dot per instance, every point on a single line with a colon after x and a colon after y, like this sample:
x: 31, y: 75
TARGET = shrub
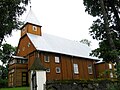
x: 3, y: 83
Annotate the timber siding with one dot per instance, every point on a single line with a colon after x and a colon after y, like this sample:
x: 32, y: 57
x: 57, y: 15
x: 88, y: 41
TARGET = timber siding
x: 66, y: 67
x: 25, y: 46
x: 100, y: 69
x: 17, y: 70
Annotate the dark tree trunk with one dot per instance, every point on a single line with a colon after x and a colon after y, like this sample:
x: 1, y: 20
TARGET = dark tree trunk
x: 109, y: 37
x: 107, y: 29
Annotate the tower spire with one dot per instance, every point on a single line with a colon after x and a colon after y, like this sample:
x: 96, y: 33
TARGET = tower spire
x: 31, y: 18
x: 31, y: 25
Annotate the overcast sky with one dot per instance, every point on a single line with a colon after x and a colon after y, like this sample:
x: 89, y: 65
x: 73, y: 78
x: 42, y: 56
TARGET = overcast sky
x: 64, y: 18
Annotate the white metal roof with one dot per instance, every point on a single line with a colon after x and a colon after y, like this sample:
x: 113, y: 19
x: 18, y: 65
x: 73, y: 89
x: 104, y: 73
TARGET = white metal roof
x: 31, y: 18
x: 18, y: 57
x: 60, y: 45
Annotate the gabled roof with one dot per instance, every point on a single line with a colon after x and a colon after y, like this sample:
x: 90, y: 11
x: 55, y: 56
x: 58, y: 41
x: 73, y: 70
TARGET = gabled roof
x: 50, y: 43
x: 31, y: 18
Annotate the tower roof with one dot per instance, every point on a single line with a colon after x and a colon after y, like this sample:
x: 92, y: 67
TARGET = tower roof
x: 31, y: 18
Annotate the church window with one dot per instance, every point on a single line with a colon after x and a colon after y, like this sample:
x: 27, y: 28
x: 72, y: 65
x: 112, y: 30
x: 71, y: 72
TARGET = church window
x: 24, y: 61
x: 46, y: 58
x: 110, y: 66
x: 34, y: 28
x: 90, y: 69
x: 28, y: 44
x: 19, y: 61
x: 58, y: 70
x: 75, y: 66
x: 57, y: 59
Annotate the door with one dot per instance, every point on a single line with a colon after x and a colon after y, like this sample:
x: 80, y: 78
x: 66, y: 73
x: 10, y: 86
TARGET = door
x: 34, y: 81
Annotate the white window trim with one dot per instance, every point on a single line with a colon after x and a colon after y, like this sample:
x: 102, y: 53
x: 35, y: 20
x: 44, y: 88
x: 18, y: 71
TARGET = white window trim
x: 110, y: 66
x: 57, y: 59
x: 57, y: 70
x: 75, y: 67
x: 45, y: 58
x: 90, y: 70
x: 34, y: 28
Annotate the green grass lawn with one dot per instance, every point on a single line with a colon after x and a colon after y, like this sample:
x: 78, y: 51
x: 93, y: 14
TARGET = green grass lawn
x: 17, y: 88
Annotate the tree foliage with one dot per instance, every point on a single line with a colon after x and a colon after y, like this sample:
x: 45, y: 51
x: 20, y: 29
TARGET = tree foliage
x: 109, y: 46
x: 85, y: 41
x: 10, y: 10
x: 6, y: 51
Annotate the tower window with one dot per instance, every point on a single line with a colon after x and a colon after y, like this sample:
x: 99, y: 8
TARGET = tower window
x: 34, y: 28
x: 29, y: 44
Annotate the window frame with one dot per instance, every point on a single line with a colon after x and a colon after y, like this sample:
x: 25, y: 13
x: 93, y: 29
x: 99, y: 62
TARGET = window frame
x: 34, y: 28
x: 57, y: 59
x: 29, y: 44
x: 110, y: 66
x: 76, y: 68
x: 46, y: 58
x: 90, y: 69
x: 58, y: 70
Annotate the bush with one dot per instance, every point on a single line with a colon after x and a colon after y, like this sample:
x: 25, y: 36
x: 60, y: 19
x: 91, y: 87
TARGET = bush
x: 3, y: 83
x: 114, y: 86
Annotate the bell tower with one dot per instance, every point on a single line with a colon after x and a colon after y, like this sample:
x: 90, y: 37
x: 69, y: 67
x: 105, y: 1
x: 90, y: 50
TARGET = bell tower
x: 31, y: 25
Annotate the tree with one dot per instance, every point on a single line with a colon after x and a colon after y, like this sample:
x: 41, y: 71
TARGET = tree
x: 5, y: 52
x: 85, y: 41
x: 10, y: 11
x: 106, y: 28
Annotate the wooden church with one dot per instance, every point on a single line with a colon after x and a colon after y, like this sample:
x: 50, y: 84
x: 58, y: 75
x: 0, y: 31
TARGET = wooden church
x: 63, y: 59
